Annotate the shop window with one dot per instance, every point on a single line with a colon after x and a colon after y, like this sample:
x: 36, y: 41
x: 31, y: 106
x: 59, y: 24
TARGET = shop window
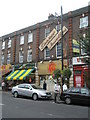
x: 9, y: 43
x: 46, y: 53
x: 3, y: 45
x: 29, y: 55
x: 84, y: 22
x: 21, y: 39
x: 78, y: 72
x: 21, y: 56
x: 8, y: 58
x: 58, y: 50
x: 58, y: 27
x: 30, y: 37
x: 47, y: 31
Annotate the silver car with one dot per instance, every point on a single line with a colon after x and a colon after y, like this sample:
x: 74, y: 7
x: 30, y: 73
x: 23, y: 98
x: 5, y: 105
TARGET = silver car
x: 30, y: 90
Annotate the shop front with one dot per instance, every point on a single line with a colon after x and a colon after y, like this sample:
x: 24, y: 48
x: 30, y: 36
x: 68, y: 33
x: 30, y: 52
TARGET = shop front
x: 46, y: 69
x: 79, y: 68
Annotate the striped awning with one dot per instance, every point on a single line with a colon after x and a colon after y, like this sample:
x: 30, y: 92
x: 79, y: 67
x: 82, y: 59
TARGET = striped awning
x: 19, y: 74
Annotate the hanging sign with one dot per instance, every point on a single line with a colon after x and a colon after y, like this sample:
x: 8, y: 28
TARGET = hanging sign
x: 57, y: 38
x: 48, y: 39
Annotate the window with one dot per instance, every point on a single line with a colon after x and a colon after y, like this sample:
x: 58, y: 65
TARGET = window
x: 29, y: 55
x: 82, y: 50
x: 8, y: 58
x: 3, y: 45
x: 2, y: 59
x: 21, y: 86
x: 9, y: 43
x: 84, y: 22
x: 75, y: 90
x: 84, y: 91
x: 58, y: 50
x: 21, y: 56
x: 47, y: 31
x: 58, y: 27
x: 21, y: 40
x: 30, y: 37
x: 46, y: 53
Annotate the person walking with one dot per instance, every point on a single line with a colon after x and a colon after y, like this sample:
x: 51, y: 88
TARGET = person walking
x: 44, y: 85
x: 64, y: 87
x: 3, y: 85
x: 57, y: 90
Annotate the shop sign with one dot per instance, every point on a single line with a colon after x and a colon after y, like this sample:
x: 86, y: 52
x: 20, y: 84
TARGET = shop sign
x: 78, y: 60
x: 5, y: 67
x: 48, y: 39
x: 52, y: 67
x: 57, y: 38
x: 76, y: 48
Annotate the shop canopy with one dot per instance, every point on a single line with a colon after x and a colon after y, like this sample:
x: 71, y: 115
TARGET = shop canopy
x: 19, y: 74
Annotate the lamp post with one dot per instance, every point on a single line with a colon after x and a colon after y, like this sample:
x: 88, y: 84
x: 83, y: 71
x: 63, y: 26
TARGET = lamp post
x: 62, y: 35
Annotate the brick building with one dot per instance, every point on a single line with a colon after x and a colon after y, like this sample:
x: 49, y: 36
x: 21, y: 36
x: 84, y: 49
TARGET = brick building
x: 39, y: 46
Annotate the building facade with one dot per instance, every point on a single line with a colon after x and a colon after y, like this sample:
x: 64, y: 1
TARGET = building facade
x: 40, y: 45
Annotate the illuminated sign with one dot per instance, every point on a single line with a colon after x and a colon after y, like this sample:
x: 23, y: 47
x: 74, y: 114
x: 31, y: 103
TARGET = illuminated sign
x: 48, y: 39
x: 57, y: 38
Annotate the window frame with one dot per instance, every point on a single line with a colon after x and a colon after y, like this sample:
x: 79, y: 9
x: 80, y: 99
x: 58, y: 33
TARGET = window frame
x: 83, y: 22
x: 3, y: 45
x: 30, y: 37
x: 21, y: 39
x: 59, y: 49
x: 29, y: 55
x: 45, y: 52
x: 21, y: 57
x: 47, y: 31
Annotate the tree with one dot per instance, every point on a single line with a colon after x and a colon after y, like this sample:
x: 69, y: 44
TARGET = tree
x: 67, y: 74
x: 57, y: 74
x: 84, y: 43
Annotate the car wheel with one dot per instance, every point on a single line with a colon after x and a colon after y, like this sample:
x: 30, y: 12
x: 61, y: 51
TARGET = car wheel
x: 15, y: 94
x: 35, y: 96
x: 67, y: 100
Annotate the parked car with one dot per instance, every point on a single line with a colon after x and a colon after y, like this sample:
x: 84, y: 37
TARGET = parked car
x: 76, y: 95
x: 30, y: 90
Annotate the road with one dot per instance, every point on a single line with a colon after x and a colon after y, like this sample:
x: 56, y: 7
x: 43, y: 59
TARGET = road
x: 27, y: 108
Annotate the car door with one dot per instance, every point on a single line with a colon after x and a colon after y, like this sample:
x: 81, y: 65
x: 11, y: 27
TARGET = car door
x: 21, y: 88
x: 84, y: 97
x: 75, y: 95
x: 28, y: 90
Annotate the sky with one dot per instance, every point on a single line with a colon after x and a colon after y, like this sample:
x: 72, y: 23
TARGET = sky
x: 19, y: 14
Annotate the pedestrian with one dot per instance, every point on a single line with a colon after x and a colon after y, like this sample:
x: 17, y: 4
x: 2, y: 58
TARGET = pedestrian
x: 3, y: 85
x: 64, y: 87
x: 44, y: 85
x: 57, y: 90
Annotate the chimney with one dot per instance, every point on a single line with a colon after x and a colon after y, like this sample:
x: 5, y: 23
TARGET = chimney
x: 51, y: 16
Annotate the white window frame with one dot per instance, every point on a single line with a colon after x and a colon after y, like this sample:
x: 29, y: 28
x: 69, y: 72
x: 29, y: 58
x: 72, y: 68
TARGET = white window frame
x: 57, y: 50
x: 21, y: 39
x: 30, y: 37
x: 47, y: 31
x: 58, y: 27
x: 45, y: 53
x: 84, y: 22
x: 29, y: 55
x: 9, y: 43
x: 21, y: 56
x: 8, y: 58
x: 3, y: 45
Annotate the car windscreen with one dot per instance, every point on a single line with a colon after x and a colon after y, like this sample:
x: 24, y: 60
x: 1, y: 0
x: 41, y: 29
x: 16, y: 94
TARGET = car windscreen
x: 36, y: 87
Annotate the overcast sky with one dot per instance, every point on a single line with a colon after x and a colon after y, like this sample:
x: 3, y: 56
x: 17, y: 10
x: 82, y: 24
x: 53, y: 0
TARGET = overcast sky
x: 18, y: 14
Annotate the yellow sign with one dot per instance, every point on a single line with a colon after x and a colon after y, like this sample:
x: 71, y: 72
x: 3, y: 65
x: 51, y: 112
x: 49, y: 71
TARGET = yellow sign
x: 76, y: 48
x: 48, y: 39
x: 57, y: 38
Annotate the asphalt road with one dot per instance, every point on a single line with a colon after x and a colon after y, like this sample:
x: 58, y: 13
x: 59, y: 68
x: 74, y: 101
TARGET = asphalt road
x: 27, y: 108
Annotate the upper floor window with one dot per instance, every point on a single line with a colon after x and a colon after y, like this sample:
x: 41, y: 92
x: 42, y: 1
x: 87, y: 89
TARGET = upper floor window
x: 21, y: 56
x: 30, y: 37
x: 8, y: 58
x: 46, y: 53
x: 9, y: 43
x: 29, y: 55
x: 58, y: 50
x: 47, y: 31
x: 2, y: 59
x: 21, y: 39
x: 84, y: 22
x: 58, y: 27
x: 3, y: 45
